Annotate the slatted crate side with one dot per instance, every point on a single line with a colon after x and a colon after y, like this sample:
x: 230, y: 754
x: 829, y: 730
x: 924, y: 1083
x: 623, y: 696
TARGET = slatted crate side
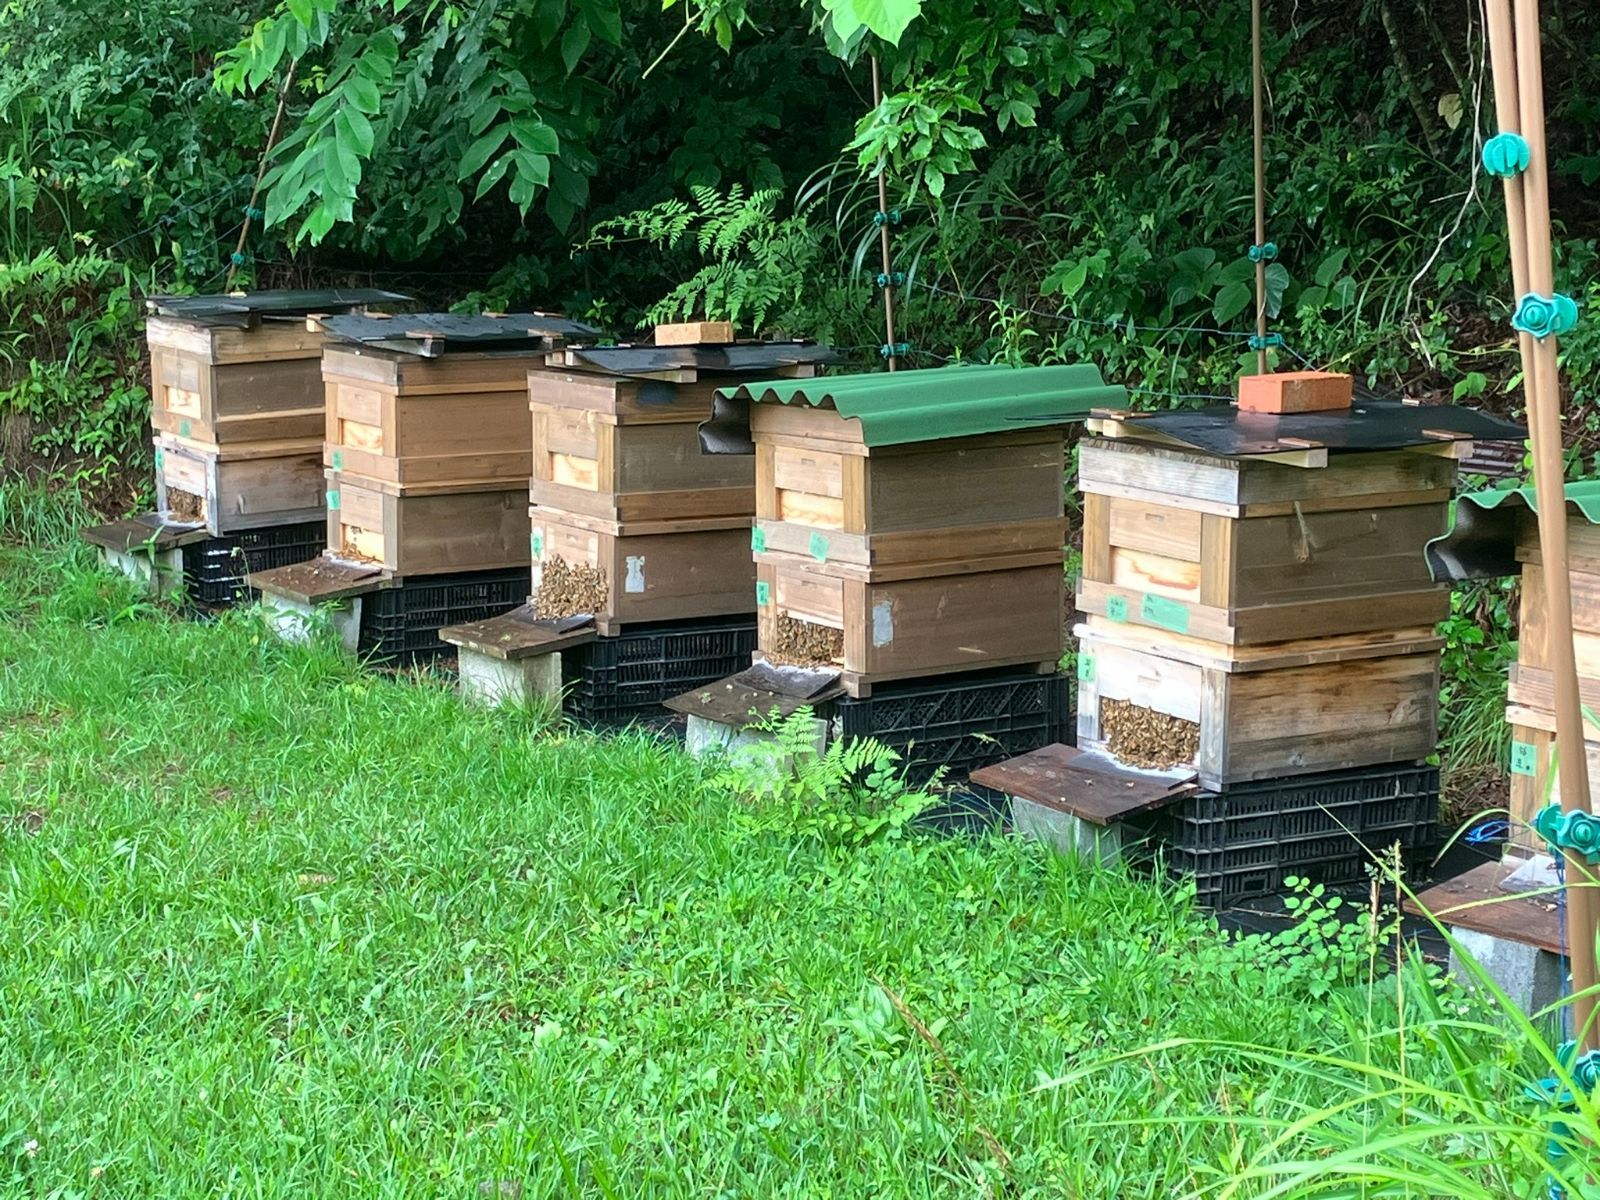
x: 1266, y: 723
x: 427, y: 532
x: 647, y: 577
x: 908, y: 628
x: 584, y: 463
x: 239, y: 487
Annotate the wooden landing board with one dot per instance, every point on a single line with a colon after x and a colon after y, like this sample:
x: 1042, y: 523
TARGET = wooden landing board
x: 1085, y: 786
x: 520, y: 634
x: 753, y: 695
x: 147, y: 534
x: 322, y: 580
x: 1476, y: 901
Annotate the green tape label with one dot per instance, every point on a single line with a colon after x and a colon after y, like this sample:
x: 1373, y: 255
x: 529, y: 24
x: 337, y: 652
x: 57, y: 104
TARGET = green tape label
x: 1164, y: 613
x: 338, y: 460
x: 161, y: 459
x: 536, y: 544
x: 758, y: 540
x: 1117, y: 608
x: 763, y: 594
x: 819, y: 547
x: 183, y: 428
x: 333, y: 501
x: 1085, y: 668
x: 1524, y: 759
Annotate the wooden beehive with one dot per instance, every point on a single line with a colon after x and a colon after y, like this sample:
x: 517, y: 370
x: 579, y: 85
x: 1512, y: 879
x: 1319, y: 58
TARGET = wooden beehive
x: 222, y: 385
x: 1246, y: 552
x: 924, y: 558
x: 628, y: 451
x: 404, y: 419
x: 427, y: 529
x: 239, y: 486
x: 1161, y: 700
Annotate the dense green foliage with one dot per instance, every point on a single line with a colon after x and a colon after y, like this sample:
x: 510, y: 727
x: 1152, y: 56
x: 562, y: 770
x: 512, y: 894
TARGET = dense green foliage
x: 357, y: 939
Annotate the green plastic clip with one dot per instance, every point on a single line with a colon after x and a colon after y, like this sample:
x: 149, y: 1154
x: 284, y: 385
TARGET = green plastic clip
x: 892, y: 217
x: 1266, y: 252
x: 896, y: 350
x: 1577, y: 832
x: 1265, y: 341
x: 891, y: 279
x: 1506, y: 155
x: 1540, y: 316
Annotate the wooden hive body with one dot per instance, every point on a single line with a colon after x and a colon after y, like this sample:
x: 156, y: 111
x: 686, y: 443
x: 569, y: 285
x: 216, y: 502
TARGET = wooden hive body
x: 403, y: 419
x: 1246, y: 552
x: 1531, y: 708
x: 928, y: 558
x: 628, y: 451
x: 426, y: 529
x: 226, y: 385
x: 239, y: 486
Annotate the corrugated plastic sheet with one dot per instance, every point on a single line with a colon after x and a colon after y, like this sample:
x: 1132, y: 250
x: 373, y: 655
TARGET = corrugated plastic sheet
x: 246, y: 307
x: 899, y: 407
x: 1483, y: 539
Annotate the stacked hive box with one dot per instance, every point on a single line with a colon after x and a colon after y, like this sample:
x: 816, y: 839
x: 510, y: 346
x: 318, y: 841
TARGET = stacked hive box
x: 1531, y: 711
x: 1252, y: 619
x: 631, y: 522
x: 911, y: 525
x: 236, y: 402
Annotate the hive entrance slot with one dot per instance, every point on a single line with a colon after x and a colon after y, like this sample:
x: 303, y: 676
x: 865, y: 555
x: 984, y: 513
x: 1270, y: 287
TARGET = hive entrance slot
x: 1143, y: 737
x: 185, y: 506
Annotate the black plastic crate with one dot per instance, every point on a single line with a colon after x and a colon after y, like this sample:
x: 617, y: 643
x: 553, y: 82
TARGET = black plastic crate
x: 401, y: 624
x: 959, y: 722
x: 1326, y: 828
x: 214, y: 570
x: 618, y: 680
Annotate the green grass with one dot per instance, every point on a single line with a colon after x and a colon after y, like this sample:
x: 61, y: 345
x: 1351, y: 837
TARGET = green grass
x: 271, y: 925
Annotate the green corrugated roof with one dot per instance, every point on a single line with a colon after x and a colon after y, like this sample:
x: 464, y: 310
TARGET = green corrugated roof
x: 1481, y: 543
x: 939, y: 402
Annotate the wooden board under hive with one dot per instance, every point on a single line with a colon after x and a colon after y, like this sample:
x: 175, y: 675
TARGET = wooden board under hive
x: 1245, y: 552
x: 427, y: 529
x: 239, y: 486
x: 612, y: 467
x: 1235, y: 714
x: 403, y: 419
x: 223, y: 385
x: 668, y: 572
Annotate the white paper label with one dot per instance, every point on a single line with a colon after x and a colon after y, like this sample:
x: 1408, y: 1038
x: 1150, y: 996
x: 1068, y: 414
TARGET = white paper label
x: 635, y: 580
x: 882, y: 623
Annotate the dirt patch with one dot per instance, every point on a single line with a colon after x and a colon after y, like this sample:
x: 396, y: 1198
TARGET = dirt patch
x: 567, y: 589
x: 1142, y: 737
x: 31, y: 820
x: 800, y: 643
x: 1471, y: 795
x: 185, y: 506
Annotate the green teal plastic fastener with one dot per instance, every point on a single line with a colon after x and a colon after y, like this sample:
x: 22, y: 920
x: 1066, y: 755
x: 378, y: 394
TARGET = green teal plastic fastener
x: 1117, y: 608
x: 1524, y: 759
x: 1577, y: 831
x: 1266, y: 252
x: 892, y: 279
x: 236, y: 258
x: 1582, y: 1074
x: 1265, y: 342
x: 1506, y: 155
x: 763, y: 594
x: 252, y: 212
x: 1540, y: 316
x: 896, y: 350
x: 892, y: 217
x: 758, y: 540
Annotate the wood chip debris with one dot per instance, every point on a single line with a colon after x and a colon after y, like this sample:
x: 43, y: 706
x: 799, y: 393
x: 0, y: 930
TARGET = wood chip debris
x: 568, y: 589
x: 1142, y: 737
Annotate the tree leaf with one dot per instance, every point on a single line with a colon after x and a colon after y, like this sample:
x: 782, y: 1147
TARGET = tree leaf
x: 481, y: 151
x: 1231, y: 300
x: 573, y: 43
x: 535, y: 135
x: 354, y: 129
x: 362, y: 93
x: 1277, y: 286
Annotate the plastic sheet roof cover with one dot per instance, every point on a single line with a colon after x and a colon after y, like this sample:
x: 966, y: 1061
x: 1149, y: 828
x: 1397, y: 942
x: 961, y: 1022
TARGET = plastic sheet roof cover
x: 1482, y: 542
x: 245, y: 308
x: 899, y: 407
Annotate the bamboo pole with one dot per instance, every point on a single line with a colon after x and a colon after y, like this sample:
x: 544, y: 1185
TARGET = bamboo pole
x: 883, y: 234
x: 261, y: 171
x: 1515, y: 56
x: 1261, y: 183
